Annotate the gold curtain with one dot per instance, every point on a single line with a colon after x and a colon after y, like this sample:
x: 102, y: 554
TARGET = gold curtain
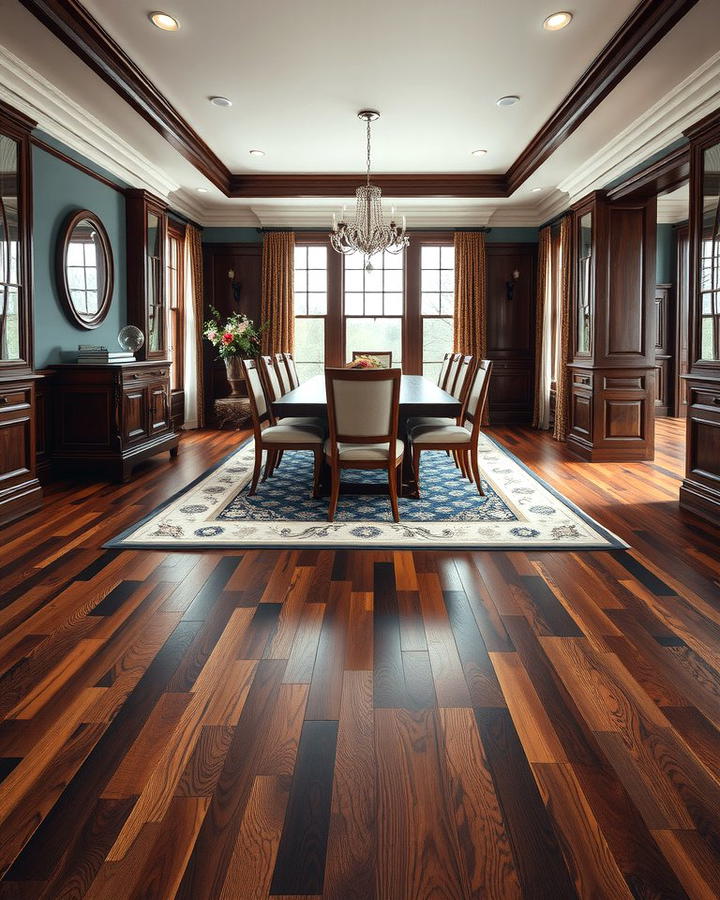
x: 541, y: 305
x: 562, y: 394
x: 278, y: 264
x: 470, y: 322
x: 470, y: 334
x: 193, y: 242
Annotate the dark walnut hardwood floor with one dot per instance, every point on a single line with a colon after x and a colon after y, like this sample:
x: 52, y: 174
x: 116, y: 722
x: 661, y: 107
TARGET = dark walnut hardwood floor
x: 357, y: 724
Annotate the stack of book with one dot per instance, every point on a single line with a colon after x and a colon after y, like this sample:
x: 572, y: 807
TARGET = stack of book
x: 93, y: 355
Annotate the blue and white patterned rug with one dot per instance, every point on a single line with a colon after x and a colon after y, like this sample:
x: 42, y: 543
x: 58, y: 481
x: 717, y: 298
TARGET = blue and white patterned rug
x: 519, y: 510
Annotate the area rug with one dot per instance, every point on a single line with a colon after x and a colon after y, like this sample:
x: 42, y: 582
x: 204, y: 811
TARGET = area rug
x: 518, y: 512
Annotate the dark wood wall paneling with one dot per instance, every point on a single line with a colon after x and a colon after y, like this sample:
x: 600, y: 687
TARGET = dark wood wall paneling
x: 511, y: 330
x: 649, y: 22
x: 682, y: 317
x: 613, y: 384
x: 700, y: 490
x: 241, y: 293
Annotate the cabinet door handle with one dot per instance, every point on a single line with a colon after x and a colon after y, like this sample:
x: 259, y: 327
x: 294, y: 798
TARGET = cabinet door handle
x: 159, y: 372
x: 716, y: 401
x: 4, y: 401
x: 136, y: 375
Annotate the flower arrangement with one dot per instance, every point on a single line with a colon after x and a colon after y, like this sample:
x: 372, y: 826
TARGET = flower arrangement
x: 365, y: 362
x: 238, y: 336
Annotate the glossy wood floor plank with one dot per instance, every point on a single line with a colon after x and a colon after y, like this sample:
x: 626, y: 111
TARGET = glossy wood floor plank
x: 358, y: 725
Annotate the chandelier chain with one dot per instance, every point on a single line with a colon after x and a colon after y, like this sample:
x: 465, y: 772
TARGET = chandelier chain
x: 368, y: 152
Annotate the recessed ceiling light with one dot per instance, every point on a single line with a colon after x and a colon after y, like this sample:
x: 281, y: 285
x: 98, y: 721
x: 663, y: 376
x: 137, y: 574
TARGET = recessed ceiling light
x: 535, y: 190
x: 220, y: 101
x: 164, y: 21
x: 557, y: 21
x: 256, y: 152
x: 201, y: 190
x: 479, y: 152
x: 510, y: 100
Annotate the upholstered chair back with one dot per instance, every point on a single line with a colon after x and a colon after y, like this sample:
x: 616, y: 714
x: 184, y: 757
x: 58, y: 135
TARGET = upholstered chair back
x: 477, y: 395
x: 282, y: 372
x: 463, y: 378
x: 256, y: 393
x: 292, y: 370
x: 442, y: 377
x: 363, y: 404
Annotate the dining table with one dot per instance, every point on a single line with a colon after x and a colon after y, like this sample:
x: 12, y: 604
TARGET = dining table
x: 419, y: 396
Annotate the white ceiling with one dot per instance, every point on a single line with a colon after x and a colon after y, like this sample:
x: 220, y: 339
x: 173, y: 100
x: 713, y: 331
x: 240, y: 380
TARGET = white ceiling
x: 297, y: 74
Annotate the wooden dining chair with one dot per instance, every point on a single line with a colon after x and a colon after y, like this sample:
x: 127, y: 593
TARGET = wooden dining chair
x: 276, y: 438
x: 465, y: 369
x: 442, y: 377
x: 283, y: 373
x: 460, y: 439
x: 383, y: 356
x: 292, y: 370
x: 363, y: 407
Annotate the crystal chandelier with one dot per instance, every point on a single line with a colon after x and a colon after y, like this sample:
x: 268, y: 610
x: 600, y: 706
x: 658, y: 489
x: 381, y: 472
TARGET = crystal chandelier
x: 368, y: 234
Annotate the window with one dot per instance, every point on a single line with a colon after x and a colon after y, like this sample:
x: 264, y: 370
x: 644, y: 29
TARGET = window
x: 82, y: 272
x: 403, y: 303
x: 10, y: 264
x: 176, y: 305
x: 374, y: 304
x: 311, y: 306
x: 437, y: 305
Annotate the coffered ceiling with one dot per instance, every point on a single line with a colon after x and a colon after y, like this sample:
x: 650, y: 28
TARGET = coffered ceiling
x: 297, y: 74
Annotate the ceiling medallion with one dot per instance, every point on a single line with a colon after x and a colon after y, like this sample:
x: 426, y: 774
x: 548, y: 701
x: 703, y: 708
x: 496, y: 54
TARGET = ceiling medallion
x: 368, y: 234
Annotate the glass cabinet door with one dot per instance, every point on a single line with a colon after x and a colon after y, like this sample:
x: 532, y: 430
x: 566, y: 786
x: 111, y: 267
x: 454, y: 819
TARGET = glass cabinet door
x: 583, y: 311
x: 10, y: 250
x: 155, y: 293
x: 709, y: 258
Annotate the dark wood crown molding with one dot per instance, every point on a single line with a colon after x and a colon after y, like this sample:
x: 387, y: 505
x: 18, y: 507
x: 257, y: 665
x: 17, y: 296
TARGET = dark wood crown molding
x: 16, y: 118
x: 84, y: 35
x: 72, y: 23
x: 649, y: 22
x: 399, y: 185
x: 655, y: 178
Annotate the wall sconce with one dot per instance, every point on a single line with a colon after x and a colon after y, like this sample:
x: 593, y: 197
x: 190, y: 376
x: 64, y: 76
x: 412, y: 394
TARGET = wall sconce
x: 510, y: 284
x: 234, y: 286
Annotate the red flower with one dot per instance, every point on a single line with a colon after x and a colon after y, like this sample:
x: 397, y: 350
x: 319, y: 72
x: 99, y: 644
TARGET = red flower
x: 227, y: 338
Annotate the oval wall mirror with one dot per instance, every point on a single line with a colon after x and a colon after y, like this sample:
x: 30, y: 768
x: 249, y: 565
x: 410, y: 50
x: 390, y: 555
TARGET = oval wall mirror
x: 85, y: 269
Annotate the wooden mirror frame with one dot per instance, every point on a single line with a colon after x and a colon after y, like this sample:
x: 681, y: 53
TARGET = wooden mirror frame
x: 62, y: 250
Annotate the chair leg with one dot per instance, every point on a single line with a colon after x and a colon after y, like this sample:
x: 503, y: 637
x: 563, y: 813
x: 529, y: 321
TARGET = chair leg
x: 256, y: 470
x: 316, y: 472
x: 476, y: 470
x: 465, y: 463
x: 460, y: 455
x: 269, y: 463
x: 455, y: 457
x: 416, y: 467
x: 392, y: 486
x: 334, y: 493
x: 278, y: 460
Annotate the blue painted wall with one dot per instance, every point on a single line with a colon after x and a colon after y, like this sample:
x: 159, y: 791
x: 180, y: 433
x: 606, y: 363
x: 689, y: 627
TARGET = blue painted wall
x: 231, y: 236
x: 58, y: 190
x: 665, y: 255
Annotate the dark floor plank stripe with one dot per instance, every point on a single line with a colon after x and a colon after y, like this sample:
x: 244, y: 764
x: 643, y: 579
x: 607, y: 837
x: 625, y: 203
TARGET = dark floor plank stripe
x: 300, y: 863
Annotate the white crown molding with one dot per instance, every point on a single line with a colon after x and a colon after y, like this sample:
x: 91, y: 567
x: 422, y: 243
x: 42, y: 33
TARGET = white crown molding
x: 687, y: 103
x: 62, y: 118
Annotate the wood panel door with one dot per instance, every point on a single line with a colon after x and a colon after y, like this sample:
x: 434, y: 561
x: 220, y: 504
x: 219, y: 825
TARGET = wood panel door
x: 682, y: 318
x: 511, y: 285
x: 158, y: 408
x: 135, y: 418
x: 664, y: 350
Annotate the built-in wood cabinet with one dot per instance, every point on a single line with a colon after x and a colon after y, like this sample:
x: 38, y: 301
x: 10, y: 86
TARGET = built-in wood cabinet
x: 612, y: 371
x: 700, y: 491
x: 110, y: 418
x: 20, y: 490
x: 147, y: 227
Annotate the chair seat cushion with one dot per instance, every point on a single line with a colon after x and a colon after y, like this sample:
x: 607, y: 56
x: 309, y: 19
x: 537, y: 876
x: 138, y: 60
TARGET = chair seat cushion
x: 292, y: 434
x: 427, y: 435
x: 435, y: 421
x: 364, y: 452
x: 303, y: 422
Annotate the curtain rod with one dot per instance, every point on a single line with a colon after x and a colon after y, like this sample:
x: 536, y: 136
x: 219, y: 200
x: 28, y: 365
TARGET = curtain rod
x: 555, y: 219
x: 269, y: 230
